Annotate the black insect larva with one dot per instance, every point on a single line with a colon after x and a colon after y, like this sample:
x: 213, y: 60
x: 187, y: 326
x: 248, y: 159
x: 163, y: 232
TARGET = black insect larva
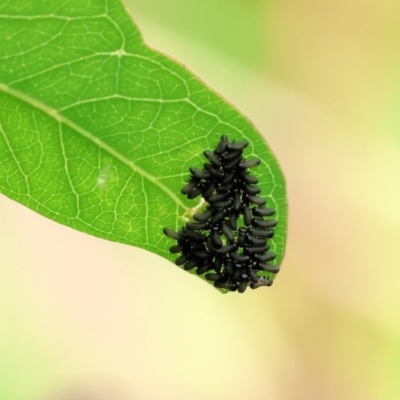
x: 218, y: 216
x: 258, y: 201
x: 227, y: 248
x: 197, y: 226
x: 172, y: 234
x: 192, y: 183
x: 232, y: 155
x: 259, y: 223
x: 210, y: 246
x: 256, y: 250
x: 249, y: 178
x: 181, y: 260
x: 222, y: 204
x: 194, y: 193
x: 212, y: 277
x: 216, y: 239
x: 247, y: 217
x: 242, y: 286
x: 228, y: 233
x: 269, y: 233
x: 270, y: 268
x: 253, y: 275
x: 252, y: 190
x: 202, y: 269
x: 202, y: 255
x: 228, y: 178
x: 238, y: 145
x: 214, y: 171
x: 190, y: 265
x: 198, y: 173
x: 212, y: 157
x: 233, y: 220
x: 232, y: 164
x: 222, y: 145
x: 204, y: 216
x: 217, y: 197
x: 241, y: 242
x: 226, y: 187
x: 217, y: 265
x: 236, y: 202
x: 195, y: 235
x: 237, y: 272
x: 208, y: 190
x: 263, y: 212
x: 265, y: 257
x: 250, y: 163
x: 257, y: 241
x: 239, y: 257
x: 228, y: 268
x: 226, y: 285
x: 175, y: 249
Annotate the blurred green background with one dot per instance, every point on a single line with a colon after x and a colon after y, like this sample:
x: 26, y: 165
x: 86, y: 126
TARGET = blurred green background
x: 86, y: 319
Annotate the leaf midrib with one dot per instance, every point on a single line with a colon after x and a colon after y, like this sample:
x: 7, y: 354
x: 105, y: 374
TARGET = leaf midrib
x: 88, y: 135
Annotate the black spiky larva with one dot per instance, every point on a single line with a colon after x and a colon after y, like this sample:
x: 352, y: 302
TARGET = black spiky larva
x: 218, y: 216
x: 190, y: 265
x: 228, y: 178
x: 197, y: 173
x: 252, y: 190
x: 250, y: 179
x: 240, y: 257
x: 212, y: 157
x: 209, y: 190
x: 232, y: 156
x: 227, y: 248
x: 175, y: 249
x: 181, y: 260
x: 242, y: 234
x: 258, y: 201
x: 222, y: 145
x: 215, y: 172
x: 195, y: 192
x: 265, y: 257
x: 172, y: 234
x: 216, y: 243
x: 263, y: 212
x: 217, y: 197
x: 259, y: 223
x: 269, y: 268
x: 247, y: 217
x: 232, y: 164
x: 250, y: 163
x: 228, y: 233
x: 213, y: 277
x: 192, y: 183
x: 256, y: 250
x: 203, y: 216
x: 268, y: 233
x: 238, y: 145
x: 254, y: 241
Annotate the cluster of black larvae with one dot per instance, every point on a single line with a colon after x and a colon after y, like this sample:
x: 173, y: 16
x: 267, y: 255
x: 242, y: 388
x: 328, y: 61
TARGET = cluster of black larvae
x: 228, y: 241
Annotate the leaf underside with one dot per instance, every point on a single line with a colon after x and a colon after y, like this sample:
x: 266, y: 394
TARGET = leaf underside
x: 98, y: 131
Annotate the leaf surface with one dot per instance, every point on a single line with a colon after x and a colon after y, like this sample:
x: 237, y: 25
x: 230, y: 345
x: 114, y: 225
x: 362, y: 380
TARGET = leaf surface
x: 97, y: 130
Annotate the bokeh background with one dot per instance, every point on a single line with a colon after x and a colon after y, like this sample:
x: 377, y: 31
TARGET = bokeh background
x: 86, y: 319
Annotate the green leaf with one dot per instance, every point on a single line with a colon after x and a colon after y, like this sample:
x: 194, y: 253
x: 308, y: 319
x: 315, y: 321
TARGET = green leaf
x: 97, y: 131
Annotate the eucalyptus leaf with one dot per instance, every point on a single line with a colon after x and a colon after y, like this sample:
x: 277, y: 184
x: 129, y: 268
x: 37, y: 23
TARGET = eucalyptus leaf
x: 98, y: 131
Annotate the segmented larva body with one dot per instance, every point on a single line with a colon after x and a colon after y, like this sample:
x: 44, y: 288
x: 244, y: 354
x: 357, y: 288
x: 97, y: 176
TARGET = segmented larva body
x: 228, y: 239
